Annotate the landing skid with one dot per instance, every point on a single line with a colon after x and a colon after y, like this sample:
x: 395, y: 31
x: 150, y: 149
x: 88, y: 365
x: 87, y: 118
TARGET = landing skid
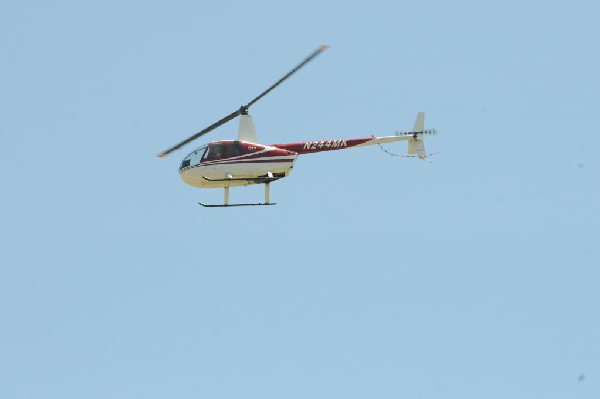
x: 266, y: 180
x: 228, y: 205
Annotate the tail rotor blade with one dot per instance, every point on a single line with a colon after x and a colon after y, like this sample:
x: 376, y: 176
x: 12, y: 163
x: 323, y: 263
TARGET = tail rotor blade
x: 432, y: 132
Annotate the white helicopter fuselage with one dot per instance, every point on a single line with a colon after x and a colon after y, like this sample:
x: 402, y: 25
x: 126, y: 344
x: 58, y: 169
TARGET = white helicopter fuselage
x: 235, y: 163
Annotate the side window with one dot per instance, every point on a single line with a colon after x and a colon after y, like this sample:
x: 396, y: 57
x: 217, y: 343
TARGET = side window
x: 215, y: 151
x: 234, y: 149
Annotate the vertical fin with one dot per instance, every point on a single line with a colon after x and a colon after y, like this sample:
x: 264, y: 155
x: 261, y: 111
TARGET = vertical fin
x: 419, y: 122
x: 416, y: 145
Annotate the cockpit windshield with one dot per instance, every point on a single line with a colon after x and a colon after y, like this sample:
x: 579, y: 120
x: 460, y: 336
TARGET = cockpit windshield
x: 193, y: 158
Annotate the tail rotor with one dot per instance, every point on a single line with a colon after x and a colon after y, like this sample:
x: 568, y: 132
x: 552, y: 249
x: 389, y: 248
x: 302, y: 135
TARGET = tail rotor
x: 416, y: 144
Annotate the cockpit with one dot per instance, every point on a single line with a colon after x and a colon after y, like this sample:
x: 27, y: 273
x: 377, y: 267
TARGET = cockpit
x: 212, y: 152
x: 223, y: 149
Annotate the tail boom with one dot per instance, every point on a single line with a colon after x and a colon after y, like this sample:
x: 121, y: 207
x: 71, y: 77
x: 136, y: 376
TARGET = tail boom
x: 416, y: 145
x: 309, y: 147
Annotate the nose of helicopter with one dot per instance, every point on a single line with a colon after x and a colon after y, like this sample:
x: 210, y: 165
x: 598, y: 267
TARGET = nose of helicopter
x: 188, y: 176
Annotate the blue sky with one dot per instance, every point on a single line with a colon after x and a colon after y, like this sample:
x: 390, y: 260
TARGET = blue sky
x: 472, y: 276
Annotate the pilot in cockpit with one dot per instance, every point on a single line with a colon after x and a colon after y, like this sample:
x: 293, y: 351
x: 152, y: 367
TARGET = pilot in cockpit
x: 215, y: 151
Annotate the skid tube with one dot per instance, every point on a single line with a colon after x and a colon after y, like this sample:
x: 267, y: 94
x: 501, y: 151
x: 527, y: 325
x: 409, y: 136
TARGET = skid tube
x: 226, y: 199
x: 230, y: 205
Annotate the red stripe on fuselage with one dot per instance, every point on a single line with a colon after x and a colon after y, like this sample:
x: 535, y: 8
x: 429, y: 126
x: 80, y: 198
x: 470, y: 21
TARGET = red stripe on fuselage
x: 262, y: 160
x: 308, y: 147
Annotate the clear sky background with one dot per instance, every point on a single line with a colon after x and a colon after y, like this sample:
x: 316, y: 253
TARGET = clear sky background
x: 474, y: 276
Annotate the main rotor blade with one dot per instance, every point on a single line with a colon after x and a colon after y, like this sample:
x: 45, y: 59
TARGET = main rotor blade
x: 202, y: 132
x: 244, y: 108
x: 290, y: 73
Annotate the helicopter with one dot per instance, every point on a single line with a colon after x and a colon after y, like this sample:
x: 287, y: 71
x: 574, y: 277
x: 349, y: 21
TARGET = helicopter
x: 232, y: 163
